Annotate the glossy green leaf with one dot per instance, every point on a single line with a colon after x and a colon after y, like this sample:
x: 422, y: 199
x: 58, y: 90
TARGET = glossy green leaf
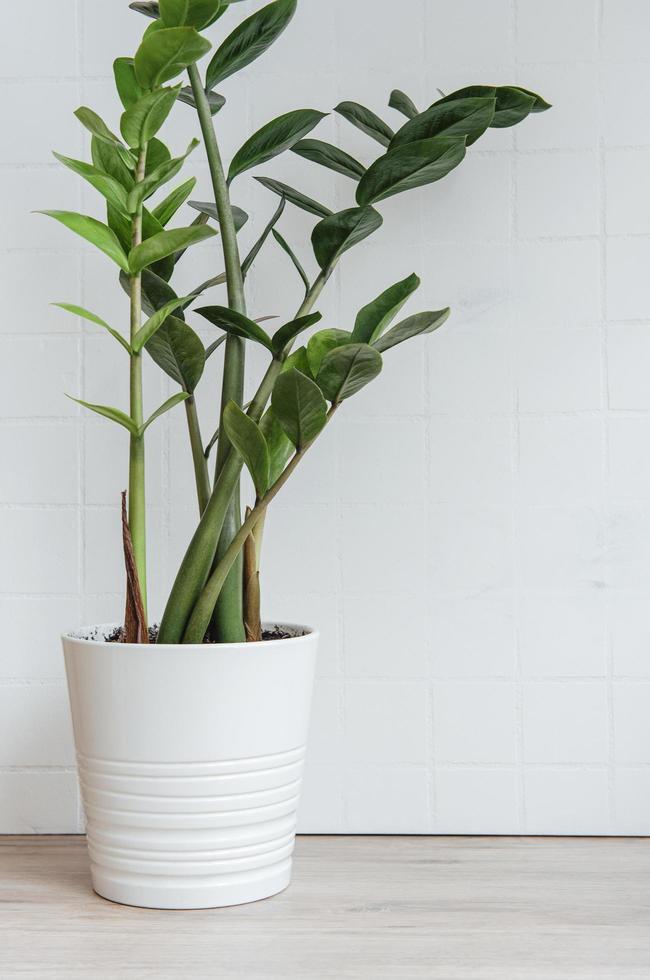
x: 108, y: 158
x: 189, y: 13
x: 249, y: 442
x: 121, y: 224
x: 93, y: 318
x: 165, y: 243
x: 95, y: 125
x: 257, y: 246
x: 294, y: 197
x: 155, y: 292
x: 284, y: 245
x: 249, y: 40
x: 235, y: 323
x: 299, y: 407
x: 290, y: 331
x: 176, y: 399
x: 114, y: 414
x: 274, y: 138
x: 373, y: 319
x: 410, y: 166
x: 322, y: 343
x: 346, y: 370
x: 165, y: 211
x: 94, y: 232
x: 178, y: 351
x: 298, y: 360
x: 280, y: 446
x: 215, y: 345
x: 155, y: 322
x: 166, y: 53
x: 413, y: 326
x: 401, y: 101
x: 207, y: 207
x: 513, y: 104
x: 367, y: 121
x: 331, y: 157
x: 215, y: 101
x: 157, y: 155
x: 463, y: 117
x: 336, y: 234
x: 107, y: 186
x: 149, y: 8
x: 143, y: 119
x: 127, y: 85
x: 157, y: 178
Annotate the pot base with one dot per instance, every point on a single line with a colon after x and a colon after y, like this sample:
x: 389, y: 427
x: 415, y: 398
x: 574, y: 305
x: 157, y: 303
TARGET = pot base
x: 214, y: 892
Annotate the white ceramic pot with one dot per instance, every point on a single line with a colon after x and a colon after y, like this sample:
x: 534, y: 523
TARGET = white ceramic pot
x: 190, y: 760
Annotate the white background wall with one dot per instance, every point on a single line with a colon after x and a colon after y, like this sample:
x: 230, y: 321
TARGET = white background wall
x: 473, y: 534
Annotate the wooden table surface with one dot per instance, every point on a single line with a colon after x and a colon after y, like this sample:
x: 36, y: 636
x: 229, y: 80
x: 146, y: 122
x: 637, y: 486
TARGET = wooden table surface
x: 444, y: 908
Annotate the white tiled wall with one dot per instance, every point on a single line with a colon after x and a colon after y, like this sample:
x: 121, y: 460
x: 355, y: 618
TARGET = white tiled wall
x: 473, y: 534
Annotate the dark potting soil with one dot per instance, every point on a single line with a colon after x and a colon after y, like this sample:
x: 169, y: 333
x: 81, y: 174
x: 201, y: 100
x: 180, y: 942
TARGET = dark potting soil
x: 273, y: 634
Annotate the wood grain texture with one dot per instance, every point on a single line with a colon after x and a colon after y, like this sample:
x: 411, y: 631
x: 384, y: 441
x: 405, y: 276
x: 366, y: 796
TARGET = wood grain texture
x: 440, y: 908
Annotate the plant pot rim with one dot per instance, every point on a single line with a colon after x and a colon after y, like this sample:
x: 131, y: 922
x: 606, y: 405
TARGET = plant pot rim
x: 301, y: 634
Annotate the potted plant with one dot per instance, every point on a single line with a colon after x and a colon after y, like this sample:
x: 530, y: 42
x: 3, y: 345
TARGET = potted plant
x: 191, y: 735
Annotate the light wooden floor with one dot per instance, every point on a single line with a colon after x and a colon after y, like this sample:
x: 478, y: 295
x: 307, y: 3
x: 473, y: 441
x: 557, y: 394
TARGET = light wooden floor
x: 443, y: 908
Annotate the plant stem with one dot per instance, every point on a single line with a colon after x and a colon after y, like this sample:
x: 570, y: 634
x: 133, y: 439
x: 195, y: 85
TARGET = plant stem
x: 195, y: 567
x: 203, y: 488
x: 200, y: 618
x: 137, y: 509
x: 228, y: 623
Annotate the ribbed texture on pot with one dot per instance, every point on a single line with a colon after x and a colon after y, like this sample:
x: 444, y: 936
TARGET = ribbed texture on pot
x: 190, y: 761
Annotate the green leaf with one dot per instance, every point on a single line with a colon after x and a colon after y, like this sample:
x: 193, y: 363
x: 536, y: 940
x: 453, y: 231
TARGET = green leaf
x: 513, y: 103
x: 401, y: 101
x: 274, y: 138
x: 280, y: 446
x: 411, y: 327
x: 346, y: 370
x: 143, y: 119
x: 158, y: 176
x: 107, y: 157
x: 96, y: 125
x: 290, y: 331
x: 284, y: 245
x: 114, y: 414
x: 251, y: 445
x: 331, y: 157
x: 93, y: 318
x: 322, y: 343
x: 94, y: 232
x: 165, y: 243
x: 149, y: 8
x: 215, y: 101
x: 235, y: 323
x: 121, y: 225
x: 215, y: 345
x: 176, y: 399
x: 207, y: 207
x: 336, y: 234
x: 463, y: 117
x: 127, y: 85
x: 249, y: 40
x: 165, y: 211
x: 178, y: 351
x: 166, y: 53
x: 373, y: 319
x: 189, y: 13
x: 294, y: 197
x: 299, y: 407
x: 155, y: 322
x: 157, y: 155
x: 367, y: 121
x: 107, y: 186
x: 155, y: 292
x: 410, y: 166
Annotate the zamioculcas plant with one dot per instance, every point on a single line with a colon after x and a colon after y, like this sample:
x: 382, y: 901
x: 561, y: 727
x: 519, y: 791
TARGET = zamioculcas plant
x: 216, y: 595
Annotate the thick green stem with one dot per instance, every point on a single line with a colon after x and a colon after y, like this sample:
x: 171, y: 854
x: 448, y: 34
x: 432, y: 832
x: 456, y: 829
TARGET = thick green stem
x: 201, y: 476
x: 137, y: 508
x: 200, y: 618
x: 196, y: 565
x: 229, y: 624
